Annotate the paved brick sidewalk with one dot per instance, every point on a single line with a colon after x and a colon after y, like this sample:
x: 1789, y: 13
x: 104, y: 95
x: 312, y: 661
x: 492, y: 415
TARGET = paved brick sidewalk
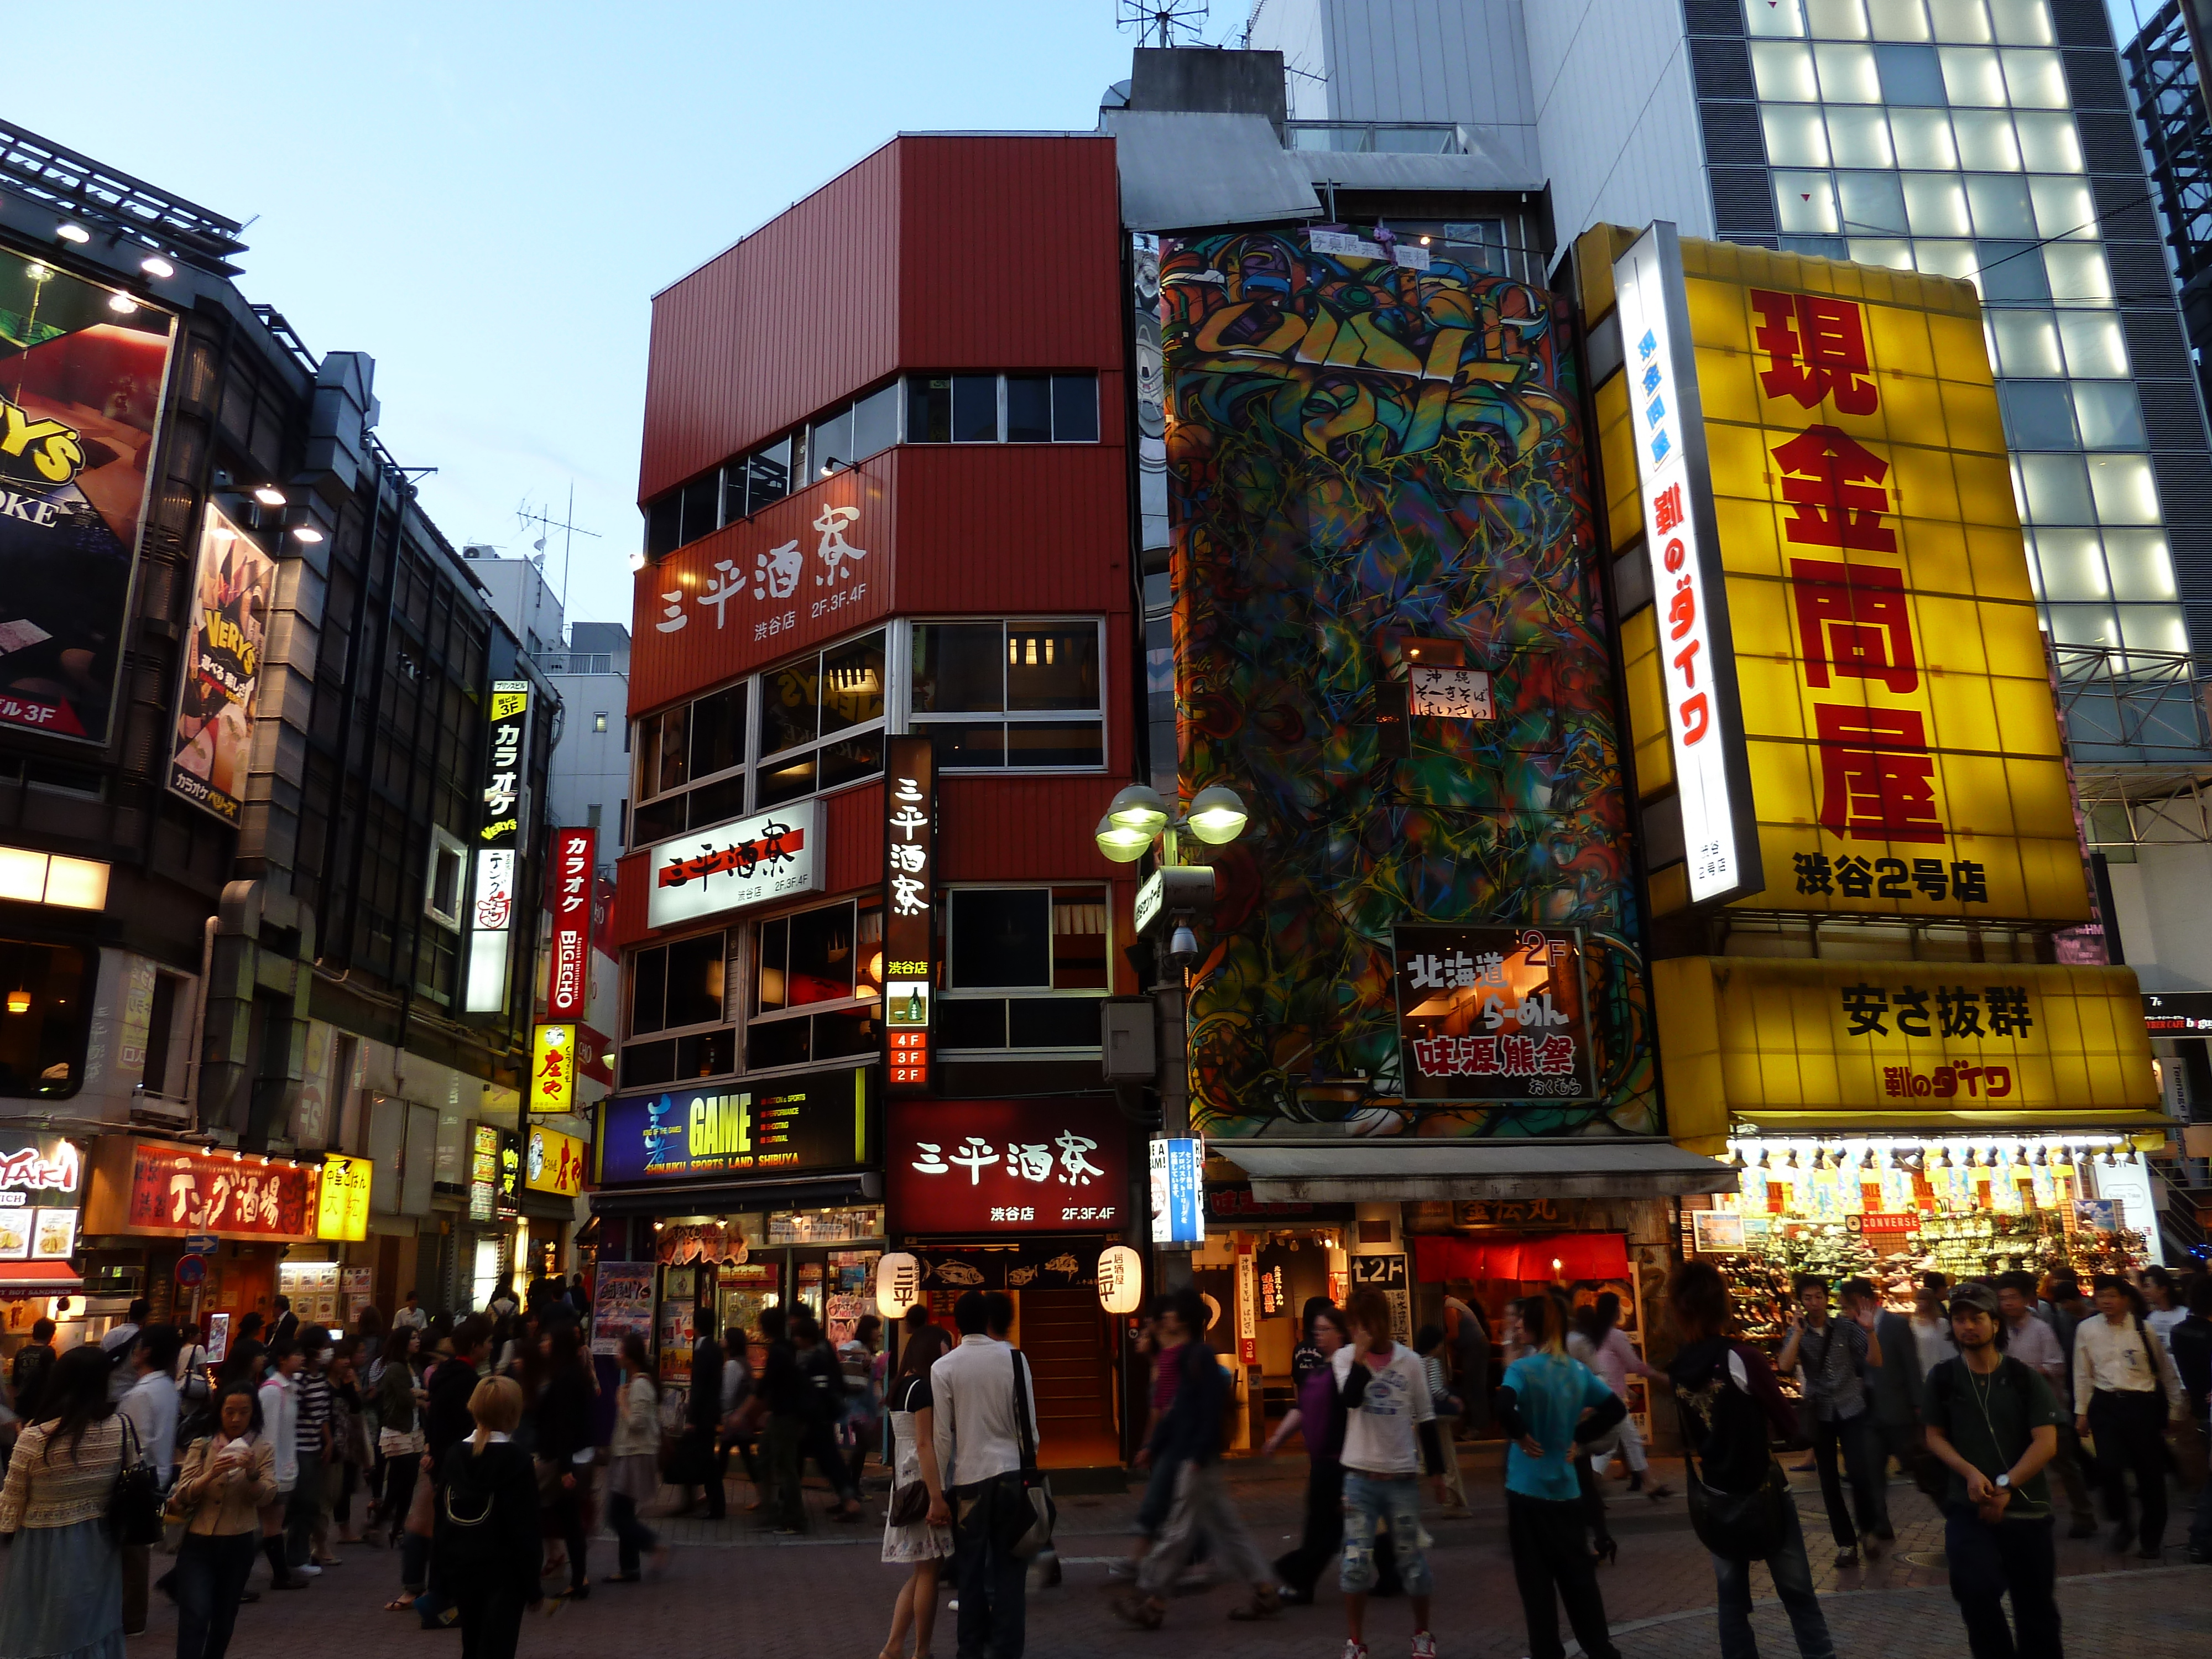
x: 729, y: 1589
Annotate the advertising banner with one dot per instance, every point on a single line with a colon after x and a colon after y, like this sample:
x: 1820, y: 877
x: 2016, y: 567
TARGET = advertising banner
x: 909, y: 910
x: 83, y: 371
x: 554, y: 1162
x: 1790, y: 1043
x: 810, y: 1125
x: 341, y: 1210
x: 41, y: 1187
x: 770, y: 855
x: 1897, y: 717
x: 622, y: 1304
x: 553, y: 1069
x: 161, y: 1187
x: 568, y: 971
x: 1492, y: 1013
x: 234, y: 585
x: 985, y: 1167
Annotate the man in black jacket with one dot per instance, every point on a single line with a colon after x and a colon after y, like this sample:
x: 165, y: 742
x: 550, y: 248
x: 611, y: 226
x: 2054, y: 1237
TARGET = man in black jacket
x: 784, y: 1392
x: 28, y: 1376
x: 703, y: 1414
x: 446, y: 1424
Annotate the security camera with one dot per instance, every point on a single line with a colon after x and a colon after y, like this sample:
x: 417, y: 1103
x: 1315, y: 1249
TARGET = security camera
x: 1184, y: 944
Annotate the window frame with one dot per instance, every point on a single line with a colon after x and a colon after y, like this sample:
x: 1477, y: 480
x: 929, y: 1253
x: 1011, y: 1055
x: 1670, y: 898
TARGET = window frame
x: 920, y: 720
x: 443, y: 842
x: 1007, y: 995
x: 862, y: 908
x: 626, y: 1020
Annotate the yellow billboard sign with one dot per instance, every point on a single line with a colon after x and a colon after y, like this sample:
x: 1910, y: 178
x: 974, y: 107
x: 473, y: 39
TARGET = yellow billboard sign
x: 342, y: 1204
x: 1825, y: 1044
x: 1899, y: 722
x: 553, y: 1069
x: 553, y: 1161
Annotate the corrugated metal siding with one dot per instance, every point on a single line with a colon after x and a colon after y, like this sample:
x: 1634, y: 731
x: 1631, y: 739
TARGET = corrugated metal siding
x: 1001, y: 530
x: 1010, y: 255
x: 796, y: 315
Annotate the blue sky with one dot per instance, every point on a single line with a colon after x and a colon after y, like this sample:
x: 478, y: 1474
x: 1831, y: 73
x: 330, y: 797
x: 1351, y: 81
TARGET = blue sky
x: 485, y: 196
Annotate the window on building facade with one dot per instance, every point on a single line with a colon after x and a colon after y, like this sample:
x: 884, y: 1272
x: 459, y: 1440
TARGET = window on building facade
x: 443, y: 893
x: 676, y: 1006
x: 690, y: 764
x: 1012, y: 694
x: 919, y: 408
x: 818, y: 987
x: 822, y: 722
x: 1024, y: 967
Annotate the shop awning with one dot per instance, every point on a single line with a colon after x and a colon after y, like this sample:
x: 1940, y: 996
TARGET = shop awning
x: 1381, y: 1171
x: 40, y: 1278
x: 1539, y: 1256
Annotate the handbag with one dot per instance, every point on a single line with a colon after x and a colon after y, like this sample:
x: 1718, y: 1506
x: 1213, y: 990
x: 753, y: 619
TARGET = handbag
x: 909, y: 1502
x: 1028, y: 1492
x: 422, y: 1515
x: 134, y: 1503
x: 1735, y: 1526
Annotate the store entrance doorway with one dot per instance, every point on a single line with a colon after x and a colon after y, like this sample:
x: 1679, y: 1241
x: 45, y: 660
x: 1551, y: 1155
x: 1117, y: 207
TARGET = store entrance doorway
x: 1060, y: 1334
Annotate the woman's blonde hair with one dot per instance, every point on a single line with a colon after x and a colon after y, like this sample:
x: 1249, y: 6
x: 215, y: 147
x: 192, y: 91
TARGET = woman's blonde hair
x: 496, y: 1405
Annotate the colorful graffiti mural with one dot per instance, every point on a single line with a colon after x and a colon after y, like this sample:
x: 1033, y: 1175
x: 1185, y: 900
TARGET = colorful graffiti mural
x: 1365, y: 456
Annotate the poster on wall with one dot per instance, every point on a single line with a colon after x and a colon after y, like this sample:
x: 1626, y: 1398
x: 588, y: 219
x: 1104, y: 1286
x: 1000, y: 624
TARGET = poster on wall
x: 622, y: 1304
x: 83, y: 370
x: 233, y: 586
x: 1492, y: 1013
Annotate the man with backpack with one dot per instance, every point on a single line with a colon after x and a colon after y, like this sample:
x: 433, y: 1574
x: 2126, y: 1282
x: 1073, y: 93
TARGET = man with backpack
x: 1993, y: 1422
x: 1731, y: 1408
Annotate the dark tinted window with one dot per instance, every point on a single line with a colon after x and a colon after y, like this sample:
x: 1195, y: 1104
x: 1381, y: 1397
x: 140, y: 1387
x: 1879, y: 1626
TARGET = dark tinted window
x: 733, y: 491
x: 1910, y: 74
x: 1052, y: 667
x: 789, y: 706
x: 1029, y: 408
x: 702, y: 505
x: 959, y: 744
x: 648, y: 991
x: 718, y: 803
x: 956, y: 669
x: 718, y: 731
x: 695, y: 981
x: 831, y: 441
x: 1052, y: 1022
x: 853, y: 685
x: 768, y: 474
x: 780, y: 1042
x: 770, y: 955
x: 1054, y: 743
x: 1001, y: 937
x: 875, y: 423
x: 821, y: 968
x: 2038, y: 415
x: 850, y: 758
x: 658, y: 820
x: 975, y: 409
x: 2011, y: 273
x: 789, y: 781
x: 973, y: 1024
x: 929, y: 409
x: 1075, y: 408
x: 664, y: 526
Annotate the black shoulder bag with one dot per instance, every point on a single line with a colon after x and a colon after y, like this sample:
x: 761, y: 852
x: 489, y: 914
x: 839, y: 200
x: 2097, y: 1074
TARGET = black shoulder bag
x: 909, y: 1502
x: 134, y: 1504
x: 1025, y: 1533
x: 1747, y: 1526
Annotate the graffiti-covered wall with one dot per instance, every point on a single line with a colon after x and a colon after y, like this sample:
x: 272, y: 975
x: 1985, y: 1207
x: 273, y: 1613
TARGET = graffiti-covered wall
x: 1371, y: 454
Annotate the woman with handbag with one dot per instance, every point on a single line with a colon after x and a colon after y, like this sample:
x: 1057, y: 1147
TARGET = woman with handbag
x: 225, y: 1479
x: 636, y: 1474
x: 63, y: 1598
x: 400, y: 1398
x: 908, y: 1538
x: 1730, y: 1407
x: 487, y: 1546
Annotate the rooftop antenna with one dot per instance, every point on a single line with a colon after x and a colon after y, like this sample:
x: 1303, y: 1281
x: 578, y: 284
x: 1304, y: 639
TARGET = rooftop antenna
x: 569, y: 529
x: 1162, y: 18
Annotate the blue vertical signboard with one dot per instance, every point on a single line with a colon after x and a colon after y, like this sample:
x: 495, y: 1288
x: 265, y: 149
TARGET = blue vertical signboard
x: 1178, y: 1192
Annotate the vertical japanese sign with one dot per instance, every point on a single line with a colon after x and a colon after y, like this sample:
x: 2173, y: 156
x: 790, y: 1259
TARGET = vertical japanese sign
x: 483, y: 1172
x: 499, y: 853
x: 1705, y: 726
x: 233, y: 586
x: 909, y: 908
x: 1178, y: 1191
x: 553, y: 1068
x: 568, y: 978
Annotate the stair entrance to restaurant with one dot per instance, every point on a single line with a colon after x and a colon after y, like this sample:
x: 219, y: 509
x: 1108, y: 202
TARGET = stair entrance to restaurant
x: 1067, y: 1341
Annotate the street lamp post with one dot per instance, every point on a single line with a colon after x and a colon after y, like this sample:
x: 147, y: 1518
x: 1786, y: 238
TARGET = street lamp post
x: 1137, y: 819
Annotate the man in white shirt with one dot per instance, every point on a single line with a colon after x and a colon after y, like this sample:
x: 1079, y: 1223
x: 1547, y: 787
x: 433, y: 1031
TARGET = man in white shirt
x: 1389, y: 1436
x: 2120, y: 1369
x: 978, y: 1440
x: 150, y: 1405
x: 409, y: 1314
x: 2033, y: 1342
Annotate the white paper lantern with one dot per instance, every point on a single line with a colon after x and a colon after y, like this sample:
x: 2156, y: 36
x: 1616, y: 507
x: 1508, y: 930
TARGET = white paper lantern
x: 898, y: 1284
x: 1120, y: 1279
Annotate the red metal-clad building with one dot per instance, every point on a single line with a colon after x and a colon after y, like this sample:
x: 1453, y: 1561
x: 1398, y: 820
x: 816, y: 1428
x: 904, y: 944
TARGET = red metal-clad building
x: 880, y: 693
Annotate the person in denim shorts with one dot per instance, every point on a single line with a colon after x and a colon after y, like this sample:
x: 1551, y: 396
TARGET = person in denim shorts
x: 1389, y: 1440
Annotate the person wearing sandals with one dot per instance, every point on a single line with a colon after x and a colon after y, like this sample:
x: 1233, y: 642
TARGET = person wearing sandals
x: 916, y: 1543
x: 225, y: 1479
x: 635, y: 1477
x: 1189, y: 1435
x: 63, y: 1595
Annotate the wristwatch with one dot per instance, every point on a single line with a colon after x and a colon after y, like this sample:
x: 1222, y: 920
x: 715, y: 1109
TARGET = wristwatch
x: 2003, y: 1482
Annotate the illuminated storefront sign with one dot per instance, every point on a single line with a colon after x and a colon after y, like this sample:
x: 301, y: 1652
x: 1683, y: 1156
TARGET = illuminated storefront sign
x: 800, y: 1126
x: 1178, y: 1190
x: 41, y: 1186
x: 568, y: 973
x: 1902, y: 747
x: 995, y: 1166
x: 770, y: 855
x: 498, y: 846
x: 1696, y: 660
x: 554, y: 1162
x: 1492, y: 1013
x: 553, y: 1069
x: 909, y: 906
x: 1802, y: 1043
x: 483, y: 1172
x: 342, y: 1209
x: 234, y: 585
x: 162, y: 1187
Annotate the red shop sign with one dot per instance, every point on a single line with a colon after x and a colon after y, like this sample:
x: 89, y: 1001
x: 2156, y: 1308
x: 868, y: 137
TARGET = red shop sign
x: 1907, y: 1221
x: 998, y: 1166
x: 176, y: 1190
